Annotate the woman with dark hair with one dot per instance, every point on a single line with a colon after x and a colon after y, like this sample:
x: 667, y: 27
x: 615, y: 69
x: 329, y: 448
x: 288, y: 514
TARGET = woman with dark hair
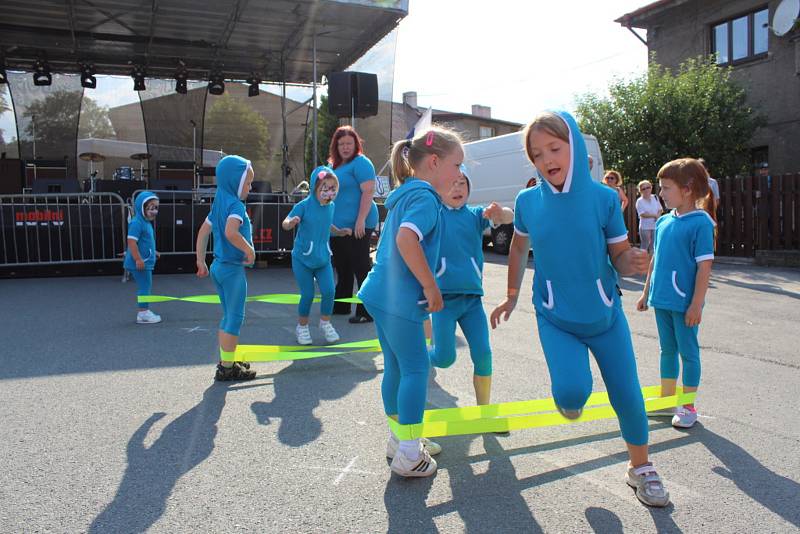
x: 354, y: 208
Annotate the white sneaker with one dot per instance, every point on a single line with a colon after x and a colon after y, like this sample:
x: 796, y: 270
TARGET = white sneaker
x: 649, y: 486
x: 424, y: 466
x: 303, y: 335
x: 147, y: 317
x: 331, y: 336
x: 391, y: 446
x: 684, y: 417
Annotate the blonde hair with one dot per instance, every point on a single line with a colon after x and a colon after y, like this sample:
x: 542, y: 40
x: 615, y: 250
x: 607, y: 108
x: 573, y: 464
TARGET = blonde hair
x: 643, y: 182
x: 615, y: 174
x: 547, y: 122
x: 409, y: 153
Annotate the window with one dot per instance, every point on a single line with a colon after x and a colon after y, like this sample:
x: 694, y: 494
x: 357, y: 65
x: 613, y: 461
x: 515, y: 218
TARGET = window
x: 741, y: 38
x: 486, y: 131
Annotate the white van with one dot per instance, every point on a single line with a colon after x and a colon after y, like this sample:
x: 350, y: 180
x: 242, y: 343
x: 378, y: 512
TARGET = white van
x: 498, y: 169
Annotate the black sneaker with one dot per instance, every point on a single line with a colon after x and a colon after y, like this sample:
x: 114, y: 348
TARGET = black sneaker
x: 237, y: 372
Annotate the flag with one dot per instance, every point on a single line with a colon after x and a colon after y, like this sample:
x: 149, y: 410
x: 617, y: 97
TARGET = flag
x: 422, y: 124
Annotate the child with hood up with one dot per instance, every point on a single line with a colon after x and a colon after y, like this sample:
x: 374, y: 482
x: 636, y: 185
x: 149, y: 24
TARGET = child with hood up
x: 311, y: 253
x: 233, y: 251
x: 140, y: 257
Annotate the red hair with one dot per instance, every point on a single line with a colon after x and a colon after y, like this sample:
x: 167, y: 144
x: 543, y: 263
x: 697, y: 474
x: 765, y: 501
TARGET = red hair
x: 691, y: 174
x: 334, y: 158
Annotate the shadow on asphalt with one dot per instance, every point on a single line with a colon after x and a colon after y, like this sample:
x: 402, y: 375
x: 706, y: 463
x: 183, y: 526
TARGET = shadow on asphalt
x: 405, y: 499
x: 152, y: 472
x: 299, y: 389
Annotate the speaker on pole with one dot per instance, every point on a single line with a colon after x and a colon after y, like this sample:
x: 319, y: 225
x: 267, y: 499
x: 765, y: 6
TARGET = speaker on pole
x: 352, y: 94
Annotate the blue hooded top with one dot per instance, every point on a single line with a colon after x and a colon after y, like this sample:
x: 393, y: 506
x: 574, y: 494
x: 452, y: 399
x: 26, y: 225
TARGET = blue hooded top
x: 311, y: 243
x: 460, y: 266
x: 141, y: 231
x: 231, y: 176
x: 680, y: 243
x: 390, y: 285
x: 574, y: 283
x: 351, y: 175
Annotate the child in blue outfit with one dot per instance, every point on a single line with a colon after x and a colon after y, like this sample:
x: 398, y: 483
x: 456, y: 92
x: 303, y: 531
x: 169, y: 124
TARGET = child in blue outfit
x: 677, y: 280
x: 460, y: 278
x: 140, y: 256
x: 580, y: 243
x: 233, y: 250
x: 401, y: 289
x: 311, y: 253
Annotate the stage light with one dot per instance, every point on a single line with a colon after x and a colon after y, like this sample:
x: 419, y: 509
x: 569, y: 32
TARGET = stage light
x: 253, y: 89
x: 216, y: 84
x: 87, y: 76
x: 138, y: 73
x: 180, y: 79
x: 41, y: 73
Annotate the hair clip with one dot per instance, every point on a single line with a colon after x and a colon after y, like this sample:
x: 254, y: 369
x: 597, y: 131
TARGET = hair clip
x: 407, y: 144
x: 429, y: 138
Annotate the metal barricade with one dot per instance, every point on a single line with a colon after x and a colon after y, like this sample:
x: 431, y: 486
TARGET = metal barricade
x: 181, y: 213
x: 61, y: 228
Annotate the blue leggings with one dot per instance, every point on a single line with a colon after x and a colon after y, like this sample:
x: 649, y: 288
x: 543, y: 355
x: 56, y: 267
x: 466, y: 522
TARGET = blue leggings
x: 675, y: 337
x: 568, y: 362
x: 144, y: 283
x: 405, y: 366
x: 467, y: 311
x: 305, y: 280
x: 231, y: 285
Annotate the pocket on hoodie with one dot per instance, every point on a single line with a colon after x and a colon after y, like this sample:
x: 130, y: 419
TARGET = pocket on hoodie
x: 675, y: 285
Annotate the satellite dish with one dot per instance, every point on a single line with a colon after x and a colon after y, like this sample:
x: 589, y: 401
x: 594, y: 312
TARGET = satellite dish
x: 785, y: 17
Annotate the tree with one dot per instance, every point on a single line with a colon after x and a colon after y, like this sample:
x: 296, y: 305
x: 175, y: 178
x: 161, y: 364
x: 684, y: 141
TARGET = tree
x: 697, y: 112
x: 52, y: 123
x: 326, y: 125
x: 235, y: 128
x: 94, y: 122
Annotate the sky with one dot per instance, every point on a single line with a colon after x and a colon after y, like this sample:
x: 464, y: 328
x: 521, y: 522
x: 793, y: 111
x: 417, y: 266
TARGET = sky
x: 516, y: 56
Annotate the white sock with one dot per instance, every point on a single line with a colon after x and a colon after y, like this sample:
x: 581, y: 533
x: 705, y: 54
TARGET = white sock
x: 323, y: 321
x: 410, y: 448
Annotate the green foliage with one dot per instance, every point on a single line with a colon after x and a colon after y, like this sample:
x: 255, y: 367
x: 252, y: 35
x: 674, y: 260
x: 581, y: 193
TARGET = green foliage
x: 235, y: 128
x: 53, y: 120
x: 697, y: 112
x: 326, y: 125
x: 94, y: 122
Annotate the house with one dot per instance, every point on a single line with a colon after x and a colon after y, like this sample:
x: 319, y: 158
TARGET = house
x: 741, y: 33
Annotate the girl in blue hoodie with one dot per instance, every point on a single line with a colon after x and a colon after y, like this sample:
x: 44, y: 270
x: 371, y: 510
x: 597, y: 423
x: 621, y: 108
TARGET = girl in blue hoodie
x: 140, y: 256
x: 460, y: 279
x: 233, y: 250
x: 580, y: 243
x: 311, y: 253
x: 400, y: 290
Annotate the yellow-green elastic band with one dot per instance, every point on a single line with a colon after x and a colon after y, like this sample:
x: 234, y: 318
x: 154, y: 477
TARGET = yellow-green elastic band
x: 274, y: 298
x: 226, y: 356
x: 276, y: 353
x: 518, y: 415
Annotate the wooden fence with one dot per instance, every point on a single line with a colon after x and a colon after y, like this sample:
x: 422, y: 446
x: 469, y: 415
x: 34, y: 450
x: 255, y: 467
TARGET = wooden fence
x: 754, y: 213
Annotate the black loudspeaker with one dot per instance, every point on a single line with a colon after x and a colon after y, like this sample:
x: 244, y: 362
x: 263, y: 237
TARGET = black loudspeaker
x: 348, y: 89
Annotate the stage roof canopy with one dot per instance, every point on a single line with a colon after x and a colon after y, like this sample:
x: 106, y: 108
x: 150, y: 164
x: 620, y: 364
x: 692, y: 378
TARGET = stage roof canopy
x: 236, y: 37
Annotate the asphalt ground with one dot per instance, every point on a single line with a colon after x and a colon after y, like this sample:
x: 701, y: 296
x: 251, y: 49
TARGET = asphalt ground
x: 110, y: 426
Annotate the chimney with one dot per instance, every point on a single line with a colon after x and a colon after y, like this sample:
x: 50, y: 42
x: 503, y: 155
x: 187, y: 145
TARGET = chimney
x: 410, y: 98
x: 482, y: 111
